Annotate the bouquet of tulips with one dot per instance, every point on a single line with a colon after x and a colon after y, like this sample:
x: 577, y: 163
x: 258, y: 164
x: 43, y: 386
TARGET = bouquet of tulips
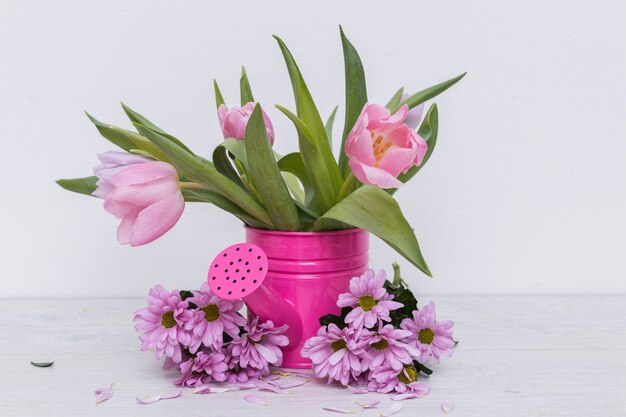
x: 148, y: 183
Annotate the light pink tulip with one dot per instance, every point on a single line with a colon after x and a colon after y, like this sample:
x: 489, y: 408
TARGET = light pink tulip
x: 147, y: 197
x: 233, y: 121
x: 381, y: 146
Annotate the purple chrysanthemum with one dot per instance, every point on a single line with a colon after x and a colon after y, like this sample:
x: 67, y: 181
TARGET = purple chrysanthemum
x: 259, y: 346
x: 162, y: 323
x: 213, y: 317
x: 335, y: 352
x: 203, y: 368
x: 430, y: 337
x: 369, y: 299
x: 236, y: 374
x: 386, y: 379
x: 386, y: 347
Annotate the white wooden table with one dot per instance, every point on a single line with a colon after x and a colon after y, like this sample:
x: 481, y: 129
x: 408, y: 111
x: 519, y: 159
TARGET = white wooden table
x: 518, y: 356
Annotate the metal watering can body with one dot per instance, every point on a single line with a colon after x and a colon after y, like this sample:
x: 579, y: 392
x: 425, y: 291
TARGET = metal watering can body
x: 291, y: 278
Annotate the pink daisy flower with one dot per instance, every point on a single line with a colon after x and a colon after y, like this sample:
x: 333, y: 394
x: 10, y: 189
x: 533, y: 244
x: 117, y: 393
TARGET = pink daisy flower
x: 205, y: 367
x: 386, y: 347
x: 335, y: 352
x: 385, y: 379
x: 213, y: 317
x: 260, y: 345
x: 162, y: 323
x: 370, y: 301
x: 430, y: 337
x: 236, y: 374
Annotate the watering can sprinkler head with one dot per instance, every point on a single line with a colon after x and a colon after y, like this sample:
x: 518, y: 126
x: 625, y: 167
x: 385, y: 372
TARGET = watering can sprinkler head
x: 239, y: 271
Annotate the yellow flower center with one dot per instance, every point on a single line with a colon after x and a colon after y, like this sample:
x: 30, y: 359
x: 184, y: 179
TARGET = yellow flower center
x: 426, y: 336
x: 211, y: 313
x: 408, y: 374
x: 381, y: 344
x: 167, y: 320
x: 367, y: 302
x: 380, y: 146
x: 338, y: 345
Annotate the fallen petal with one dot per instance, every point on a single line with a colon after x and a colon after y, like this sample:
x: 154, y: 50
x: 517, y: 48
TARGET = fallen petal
x: 103, y: 394
x: 339, y: 410
x: 272, y: 377
x: 368, y: 404
x: 266, y: 386
x: 202, y: 389
x: 255, y: 399
x: 293, y: 384
x: 407, y: 396
x: 512, y: 391
x: 357, y: 390
x: 302, y: 375
x: 148, y: 400
x: 447, y: 406
x: 42, y: 364
x: 392, y: 410
x: 247, y: 385
x: 281, y: 373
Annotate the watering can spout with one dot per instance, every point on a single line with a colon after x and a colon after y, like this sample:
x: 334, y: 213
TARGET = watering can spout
x: 238, y: 272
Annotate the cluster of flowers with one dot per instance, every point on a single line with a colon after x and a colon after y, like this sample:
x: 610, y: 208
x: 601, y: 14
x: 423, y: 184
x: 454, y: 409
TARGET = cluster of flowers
x: 378, y: 343
x: 206, y: 338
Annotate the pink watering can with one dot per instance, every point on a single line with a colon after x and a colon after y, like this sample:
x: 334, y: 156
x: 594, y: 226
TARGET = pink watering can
x: 291, y: 278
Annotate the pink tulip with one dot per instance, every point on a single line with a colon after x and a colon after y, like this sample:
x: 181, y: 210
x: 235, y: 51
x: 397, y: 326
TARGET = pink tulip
x: 113, y: 162
x: 233, y: 121
x: 381, y: 146
x: 414, y: 117
x: 146, y: 196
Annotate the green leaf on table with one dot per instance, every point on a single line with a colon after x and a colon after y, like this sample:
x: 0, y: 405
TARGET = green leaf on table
x: 246, y: 91
x: 372, y: 209
x: 356, y: 95
x: 426, y: 94
x: 266, y: 176
x: 42, y: 364
x: 329, y: 126
x: 85, y: 185
x: 204, y: 172
x: 428, y: 130
x: 395, y: 99
x: 316, y: 152
x: 219, y: 99
x: 136, y: 118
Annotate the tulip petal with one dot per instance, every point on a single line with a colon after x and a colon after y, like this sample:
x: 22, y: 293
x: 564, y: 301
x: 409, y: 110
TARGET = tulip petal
x: 373, y: 176
x: 154, y: 221
x: 395, y: 408
x: 103, y: 394
x: 339, y: 410
x: 144, y: 173
x: 255, y: 399
x: 144, y: 194
x: 447, y: 406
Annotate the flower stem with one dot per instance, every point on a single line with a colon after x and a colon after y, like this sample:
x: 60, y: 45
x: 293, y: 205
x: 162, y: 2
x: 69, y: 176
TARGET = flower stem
x: 397, y: 278
x: 346, y: 187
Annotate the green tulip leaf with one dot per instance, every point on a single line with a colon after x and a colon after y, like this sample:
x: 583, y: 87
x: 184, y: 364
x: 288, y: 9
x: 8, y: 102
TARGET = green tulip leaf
x: 329, y: 126
x: 224, y: 166
x: 85, y: 185
x: 293, y: 163
x: 219, y: 99
x: 395, y: 99
x: 356, y: 95
x: 372, y: 209
x: 317, y: 154
x: 246, y: 91
x: 136, y: 118
x: 428, y: 93
x: 266, y: 176
x: 218, y: 200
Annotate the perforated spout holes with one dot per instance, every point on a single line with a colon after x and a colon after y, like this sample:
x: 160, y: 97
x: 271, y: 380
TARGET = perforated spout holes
x: 237, y: 271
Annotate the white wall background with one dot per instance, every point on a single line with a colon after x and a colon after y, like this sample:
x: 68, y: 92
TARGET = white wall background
x: 526, y: 192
